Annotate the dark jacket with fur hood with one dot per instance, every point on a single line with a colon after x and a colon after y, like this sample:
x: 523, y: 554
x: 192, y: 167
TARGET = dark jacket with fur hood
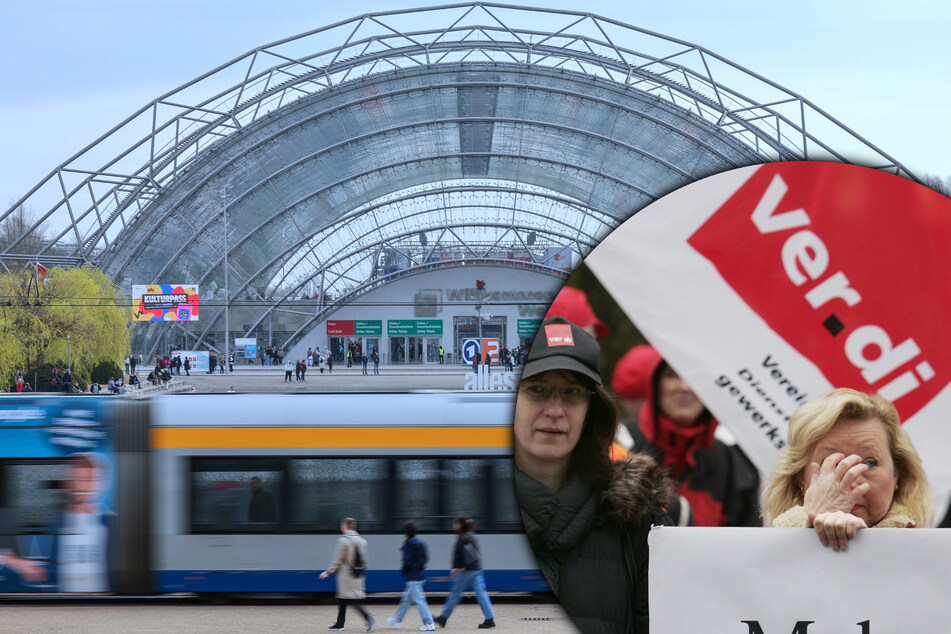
x: 592, y: 546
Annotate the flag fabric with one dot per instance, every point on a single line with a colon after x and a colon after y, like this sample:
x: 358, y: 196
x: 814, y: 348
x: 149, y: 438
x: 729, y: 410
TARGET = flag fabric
x: 41, y: 271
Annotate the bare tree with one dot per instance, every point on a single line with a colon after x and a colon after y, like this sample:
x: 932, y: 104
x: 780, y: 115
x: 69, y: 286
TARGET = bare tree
x: 16, y: 227
x: 940, y: 185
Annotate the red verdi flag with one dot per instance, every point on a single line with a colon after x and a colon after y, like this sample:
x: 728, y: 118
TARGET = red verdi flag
x: 41, y: 271
x: 769, y: 285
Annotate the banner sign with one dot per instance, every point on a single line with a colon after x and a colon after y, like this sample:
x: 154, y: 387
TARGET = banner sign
x: 528, y: 327
x: 783, y: 581
x: 197, y: 360
x: 396, y: 327
x: 165, y: 302
x: 354, y: 328
x: 767, y: 286
x: 245, y: 347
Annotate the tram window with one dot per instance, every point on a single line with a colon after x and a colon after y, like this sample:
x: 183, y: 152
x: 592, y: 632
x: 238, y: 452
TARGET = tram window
x: 326, y: 490
x: 418, y: 495
x: 32, y: 491
x: 504, y: 507
x: 236, y: 495
x: 468, y: 490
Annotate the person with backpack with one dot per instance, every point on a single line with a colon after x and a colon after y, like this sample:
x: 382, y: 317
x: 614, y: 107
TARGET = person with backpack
x: 415, y: 558
x: 467, y: 572
x: 349, y: 559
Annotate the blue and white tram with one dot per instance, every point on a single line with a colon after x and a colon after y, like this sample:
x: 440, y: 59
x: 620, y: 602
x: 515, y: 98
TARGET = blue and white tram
x: 248, y: 490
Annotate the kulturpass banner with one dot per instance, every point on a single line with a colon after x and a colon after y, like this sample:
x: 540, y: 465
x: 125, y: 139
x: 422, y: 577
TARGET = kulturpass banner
x: 767, y: 286
x: 783, y: 581
x: 165, y: 302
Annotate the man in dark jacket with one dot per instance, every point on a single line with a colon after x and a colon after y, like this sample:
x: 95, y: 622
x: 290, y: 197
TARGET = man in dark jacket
x: 414, y: 562
x: 467, y: 571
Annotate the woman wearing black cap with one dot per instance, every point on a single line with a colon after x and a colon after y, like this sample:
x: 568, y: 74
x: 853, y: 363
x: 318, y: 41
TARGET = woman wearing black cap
x: 586, y: 517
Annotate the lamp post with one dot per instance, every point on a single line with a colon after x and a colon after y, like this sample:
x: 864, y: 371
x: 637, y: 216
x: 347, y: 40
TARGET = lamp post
x: 69, y: 355
x: 224, y: 198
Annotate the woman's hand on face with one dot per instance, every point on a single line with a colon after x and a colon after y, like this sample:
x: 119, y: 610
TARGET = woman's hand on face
x: 832, y: 486
x: 835, y: 529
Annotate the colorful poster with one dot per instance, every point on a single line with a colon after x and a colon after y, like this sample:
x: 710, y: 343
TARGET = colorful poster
x: 197, y: 359
x: 58, y: 512
x: 766, y: 286
x: 245, y: 347
x: 165, y: 302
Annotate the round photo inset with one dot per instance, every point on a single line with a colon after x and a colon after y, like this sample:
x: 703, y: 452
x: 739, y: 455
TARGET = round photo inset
x: 663, y: 392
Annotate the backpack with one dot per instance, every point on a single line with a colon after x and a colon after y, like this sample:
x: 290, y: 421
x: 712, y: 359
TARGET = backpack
x: 358, y: 567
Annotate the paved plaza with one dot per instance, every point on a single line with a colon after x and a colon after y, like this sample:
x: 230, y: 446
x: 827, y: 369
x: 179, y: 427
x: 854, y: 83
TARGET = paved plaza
x: 397, y: 378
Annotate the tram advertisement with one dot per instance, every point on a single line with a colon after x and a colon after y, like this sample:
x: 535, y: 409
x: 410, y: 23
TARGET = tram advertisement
x: 767, y: 286
x: 56, y: 495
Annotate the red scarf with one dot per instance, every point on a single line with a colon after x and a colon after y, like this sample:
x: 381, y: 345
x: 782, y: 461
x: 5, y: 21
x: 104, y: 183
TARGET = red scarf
x: 679, y: 444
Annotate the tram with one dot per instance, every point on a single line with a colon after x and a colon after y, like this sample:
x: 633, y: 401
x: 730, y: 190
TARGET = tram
x: 244, y: 493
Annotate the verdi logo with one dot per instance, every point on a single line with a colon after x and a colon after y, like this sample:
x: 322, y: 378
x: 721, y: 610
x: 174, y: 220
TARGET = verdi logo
x: 559, y: 335
x: 844, y: 264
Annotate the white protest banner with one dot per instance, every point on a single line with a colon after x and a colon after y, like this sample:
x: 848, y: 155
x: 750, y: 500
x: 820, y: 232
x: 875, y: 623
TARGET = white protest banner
x: 783, y: 581
x: 767, y: 286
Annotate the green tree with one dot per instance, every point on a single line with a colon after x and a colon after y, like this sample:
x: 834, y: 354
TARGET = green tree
x: 38, y: 315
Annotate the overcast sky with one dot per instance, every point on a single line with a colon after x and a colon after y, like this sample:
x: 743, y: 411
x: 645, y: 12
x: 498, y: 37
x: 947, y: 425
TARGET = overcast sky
x: 72, y: 70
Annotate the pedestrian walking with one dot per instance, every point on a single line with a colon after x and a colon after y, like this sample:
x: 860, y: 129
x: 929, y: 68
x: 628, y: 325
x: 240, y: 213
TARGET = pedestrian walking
x: 376, y: 362
x: 415, y: 558
x: 330, y: 364
x: 365, y: 360
x: 466, y: 572
x: 442, y: 354
x: 349, y: 563
x: 187, y: 365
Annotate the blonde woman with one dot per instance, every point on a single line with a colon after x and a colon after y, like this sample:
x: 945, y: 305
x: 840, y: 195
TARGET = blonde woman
x: 848, y: 465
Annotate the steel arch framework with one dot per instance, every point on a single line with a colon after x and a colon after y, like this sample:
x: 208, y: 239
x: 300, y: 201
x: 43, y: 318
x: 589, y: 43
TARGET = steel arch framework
x: 455, y: 134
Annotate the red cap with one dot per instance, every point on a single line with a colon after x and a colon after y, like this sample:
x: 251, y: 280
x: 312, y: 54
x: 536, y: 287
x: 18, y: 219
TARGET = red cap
x: 572, y: 304
x: 632, y: 374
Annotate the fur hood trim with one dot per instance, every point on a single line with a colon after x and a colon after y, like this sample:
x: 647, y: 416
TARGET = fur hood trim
x: 638, y: 487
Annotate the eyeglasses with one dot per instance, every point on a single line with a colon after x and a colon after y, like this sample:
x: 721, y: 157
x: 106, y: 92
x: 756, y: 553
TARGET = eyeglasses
x: 571, y: 395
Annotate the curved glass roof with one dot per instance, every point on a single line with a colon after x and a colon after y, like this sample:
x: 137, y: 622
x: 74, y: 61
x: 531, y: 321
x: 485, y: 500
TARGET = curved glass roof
x: 322, y: 165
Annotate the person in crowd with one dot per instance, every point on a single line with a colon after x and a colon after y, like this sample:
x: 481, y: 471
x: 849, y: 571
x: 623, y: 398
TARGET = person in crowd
x: 365, y: 359
x: 848, y: 465
x: 350, y: 587
x: 587, y: 517
x: 288, y: 369
x: 467, y: 572
x: 261, y: 506
x: 376, y: 361
x: 187, y: 365
x: 716, y: 478
x: 572, y: 304
x: 415, y: 558
x: 67, y: 381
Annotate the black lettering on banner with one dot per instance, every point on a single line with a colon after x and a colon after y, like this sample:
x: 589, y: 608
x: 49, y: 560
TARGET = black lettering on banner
x: 770, y: 430
x: 801, y: 627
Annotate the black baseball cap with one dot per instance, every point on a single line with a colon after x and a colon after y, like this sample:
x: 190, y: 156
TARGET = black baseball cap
x: 562, y: 345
